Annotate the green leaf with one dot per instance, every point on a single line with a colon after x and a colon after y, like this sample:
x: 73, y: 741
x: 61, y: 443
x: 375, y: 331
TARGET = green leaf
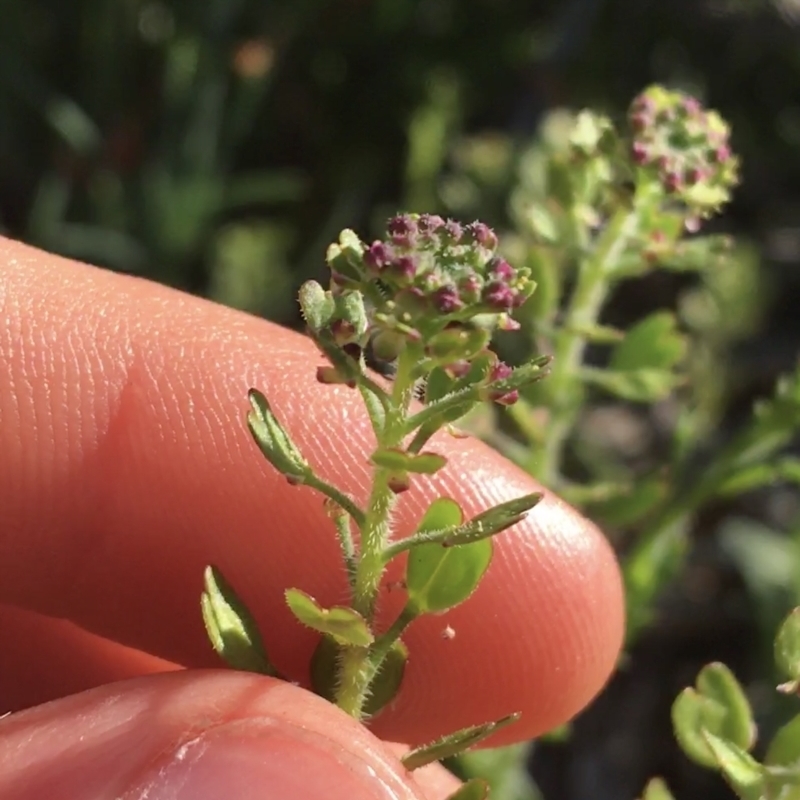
x: 440, y: 577
x: 475, y: 789
x: 438, y: 385
x: 350, y: 308
x: 494, y: 521
x: 346, y: 256
x: 454, y: 743
x: 384, y: 687
x: 787, y: 649
x: 546, y: 271
x: 753, y: 476
x: 717, y: 707
x: 386, y: 684
x: 316, y: 304
x: 230, y: 626
x: 543, y: 223
x: 636, y: 385
x: 742, y: 772
x: 442, y: 514
x: 345, y: 625
x: 401, y: 461
x: 653, y: 343
x: 656, y: 789
x: 273, y: 439
x: 784, y: 749
x: 598, y: 334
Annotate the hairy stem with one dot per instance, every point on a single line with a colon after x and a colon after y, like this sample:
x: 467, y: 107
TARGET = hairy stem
x: 584, y: 307
x: 355, y: 673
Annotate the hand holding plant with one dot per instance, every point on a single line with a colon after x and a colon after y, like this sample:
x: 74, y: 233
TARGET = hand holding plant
x: 120, y: 478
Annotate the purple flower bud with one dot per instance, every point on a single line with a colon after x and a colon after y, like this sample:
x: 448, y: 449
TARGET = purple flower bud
x: 694, y: 175
x: 377, y: 256
x: 507, y: 323
x: 502, y: 270
x: 640, y: 121
x: 399, y: 482
x: 499, y: 372
x: 458, y: 369
x: 690, y: 107
x: 719, y: 155
x: 640, y: 153
x: 430, y: 223
x: 403, y: 230
x: 499, y: 296
x: 482, y: 234
x: 454, y: 231
x: 404, y: 267
x: 446, y: 299
x: 506, y: 399
x: 470, y: 288
x: 673, y: 181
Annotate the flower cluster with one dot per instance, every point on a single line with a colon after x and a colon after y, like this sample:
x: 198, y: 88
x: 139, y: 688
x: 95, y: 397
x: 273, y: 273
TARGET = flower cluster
x: 433, y: 272
x: 685, y: 147
x: 431, y: 283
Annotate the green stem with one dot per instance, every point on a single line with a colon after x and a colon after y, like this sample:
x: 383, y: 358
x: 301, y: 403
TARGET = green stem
x: 383, y: 644
x: 338, y: 497
x: 345, y: 536
x: 355, y: 673
x: 582, y: 312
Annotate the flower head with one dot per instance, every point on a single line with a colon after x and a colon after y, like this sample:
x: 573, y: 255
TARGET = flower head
x: 685, y: 147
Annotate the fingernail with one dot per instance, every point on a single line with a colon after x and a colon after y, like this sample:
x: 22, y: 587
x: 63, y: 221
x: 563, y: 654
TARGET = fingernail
x: 263, y: 760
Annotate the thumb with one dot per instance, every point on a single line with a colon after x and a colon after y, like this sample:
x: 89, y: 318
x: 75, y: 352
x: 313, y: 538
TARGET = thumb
x: 201, y: 735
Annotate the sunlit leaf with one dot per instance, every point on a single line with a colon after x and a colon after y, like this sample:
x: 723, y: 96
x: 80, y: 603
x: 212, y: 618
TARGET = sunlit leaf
x: 345, y: 625
x: 438, y: 577
x: 742, y: 772
x: 454, y: 743
x: 230, y: 626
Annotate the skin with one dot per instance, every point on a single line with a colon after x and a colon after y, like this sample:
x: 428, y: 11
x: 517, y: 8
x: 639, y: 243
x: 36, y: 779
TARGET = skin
x: 125, y: 468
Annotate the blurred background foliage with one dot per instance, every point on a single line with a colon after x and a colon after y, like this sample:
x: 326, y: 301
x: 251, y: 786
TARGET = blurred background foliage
x: 220, y: 145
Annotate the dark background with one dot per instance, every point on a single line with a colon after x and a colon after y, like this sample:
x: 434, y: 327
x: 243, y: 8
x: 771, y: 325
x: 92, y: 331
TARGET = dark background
x: 219, y: 145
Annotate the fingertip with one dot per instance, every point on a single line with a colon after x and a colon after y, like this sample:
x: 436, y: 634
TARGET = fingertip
x: 196, y: 736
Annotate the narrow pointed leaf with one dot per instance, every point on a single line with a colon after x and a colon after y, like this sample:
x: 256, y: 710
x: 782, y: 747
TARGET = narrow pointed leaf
x: 273, y: 439
x: 475, y: 789
x: 345, y: 625
x: 454, y: 743
x: 787, y: 647
x: 493, y: 521
x: 652, y: 343
x: 742, y: 772
x: 230, y: 626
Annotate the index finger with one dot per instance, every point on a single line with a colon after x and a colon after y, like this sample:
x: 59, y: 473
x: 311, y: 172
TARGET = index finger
x: 125, y: 468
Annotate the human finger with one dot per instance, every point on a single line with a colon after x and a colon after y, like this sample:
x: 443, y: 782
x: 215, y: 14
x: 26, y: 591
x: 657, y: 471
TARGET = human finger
x: 125, y: 468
